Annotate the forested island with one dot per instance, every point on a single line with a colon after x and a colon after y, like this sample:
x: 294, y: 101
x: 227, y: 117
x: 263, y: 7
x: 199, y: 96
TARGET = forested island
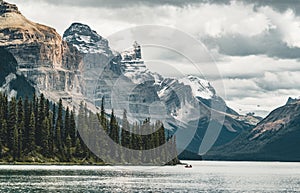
x: 37, y: 131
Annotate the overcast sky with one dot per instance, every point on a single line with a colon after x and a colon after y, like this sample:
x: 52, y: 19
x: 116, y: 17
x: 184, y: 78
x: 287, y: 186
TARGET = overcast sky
x: 256, y: 44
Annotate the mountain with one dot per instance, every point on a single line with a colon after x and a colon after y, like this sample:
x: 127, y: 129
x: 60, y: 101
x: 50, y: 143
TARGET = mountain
x: 275, y: 138
x: 82, y: 66
x: 125, y: 82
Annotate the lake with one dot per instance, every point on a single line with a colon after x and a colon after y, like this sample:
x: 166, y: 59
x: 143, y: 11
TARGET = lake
x: 205, y: 176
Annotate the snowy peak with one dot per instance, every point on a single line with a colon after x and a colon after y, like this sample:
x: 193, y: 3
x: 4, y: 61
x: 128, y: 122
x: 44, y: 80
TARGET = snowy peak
x: 86, y: 40
x: 200, y: 87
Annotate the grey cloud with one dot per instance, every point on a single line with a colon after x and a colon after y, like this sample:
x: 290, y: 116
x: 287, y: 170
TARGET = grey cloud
x: 269, y: 44
x: 127, y: 3
x: 279, y: 80
x: 279, y: 5
x: 276, y: 4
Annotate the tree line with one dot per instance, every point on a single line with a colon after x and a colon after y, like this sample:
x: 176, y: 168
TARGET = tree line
x: 37, y: 130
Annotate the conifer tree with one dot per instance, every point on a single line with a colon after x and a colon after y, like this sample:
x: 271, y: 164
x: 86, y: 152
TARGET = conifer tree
x: 59, y: 126
x: 68, y: 147
x: 27, y: 115
x: 4, y: 134
x: 40, y: 120
x: 31, y: 134
x: 11, y: 126
x: 125, y: 134
x: 53, y: 129
x: 67, y: 124
x: 73, y: 128
x: 114, y: 128
x: 20, y: 127
x: 15, y: 143
x: 103, y: 120
x: 45, y: 135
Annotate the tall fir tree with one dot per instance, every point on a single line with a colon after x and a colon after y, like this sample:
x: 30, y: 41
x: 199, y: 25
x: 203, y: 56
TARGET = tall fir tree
x: 125, y: 134
x: 20, y: 127
x: 31, y: 133
x: 11, y: 126
x: 45, y: 135
x: 73, y: 128
x: 67, y: 125
x: 59, y: 126
x: 114, y: 128
x: 27, y: 115
x: 40, y: 120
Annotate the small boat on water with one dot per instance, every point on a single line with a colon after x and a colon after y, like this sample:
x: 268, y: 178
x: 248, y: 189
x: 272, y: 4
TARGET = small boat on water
x: 188, y: 166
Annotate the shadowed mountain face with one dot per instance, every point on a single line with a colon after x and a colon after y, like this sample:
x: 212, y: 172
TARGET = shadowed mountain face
x: 10, y: 81
x: 8, y: 64
x: 276, y: 138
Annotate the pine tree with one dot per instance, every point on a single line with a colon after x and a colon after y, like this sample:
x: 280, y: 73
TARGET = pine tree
x: 67, y: 124
x: 53, y: 129
x: 47, y: 108
x: 40, y: 119
x: 68, y: 147
x: 125, y: 134
x: 27, y: 115
x: 2, y: 129
x: 1, y: 118
x: 20, y: 127
x: 45, y: 135
x: 15, y: 143
x: 31, y: 134
x: 114, y: 128
x: 12, y: 121
x: 59, y: 126
x: 4, y: 134
x: 81, y: 118
x: 78, y: 148
x: 73, y: 128
x: 103, y: 120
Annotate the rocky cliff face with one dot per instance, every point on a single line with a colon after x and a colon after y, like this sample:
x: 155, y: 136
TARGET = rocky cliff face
x: 33, y: 45
x: 42, y: 57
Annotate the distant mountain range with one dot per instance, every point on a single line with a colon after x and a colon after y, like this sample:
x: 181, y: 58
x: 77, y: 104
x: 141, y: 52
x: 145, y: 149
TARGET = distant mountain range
x: 276, y: 138
x: 82, y: 66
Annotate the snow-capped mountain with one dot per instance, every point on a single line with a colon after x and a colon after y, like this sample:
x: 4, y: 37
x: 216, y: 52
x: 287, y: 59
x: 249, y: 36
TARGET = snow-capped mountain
x: 201, y: 88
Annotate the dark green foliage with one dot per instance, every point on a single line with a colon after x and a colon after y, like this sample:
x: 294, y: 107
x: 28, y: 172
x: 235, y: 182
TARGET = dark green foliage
x: 59, y: 126
x: 72, y: 129
x: 31, y: 134
x: 11, y: 126
x: 39, y: 131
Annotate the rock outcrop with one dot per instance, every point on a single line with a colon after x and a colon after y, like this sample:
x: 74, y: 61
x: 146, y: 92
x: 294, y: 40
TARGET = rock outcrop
x: 42, y: 56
